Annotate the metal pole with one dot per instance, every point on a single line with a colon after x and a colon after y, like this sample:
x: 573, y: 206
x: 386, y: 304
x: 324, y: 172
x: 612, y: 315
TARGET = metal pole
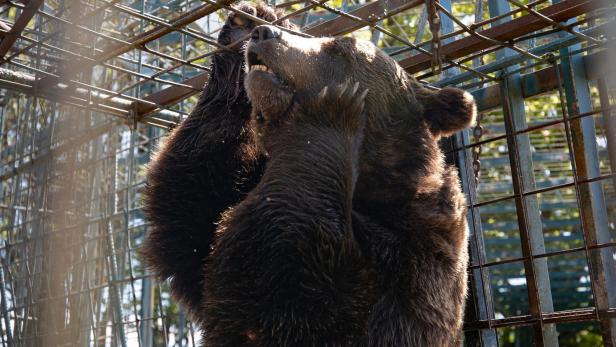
x: 540, y: 294
x: 593, y: 210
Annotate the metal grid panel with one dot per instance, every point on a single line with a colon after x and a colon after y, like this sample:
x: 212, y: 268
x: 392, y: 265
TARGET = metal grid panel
x: 89, y: 87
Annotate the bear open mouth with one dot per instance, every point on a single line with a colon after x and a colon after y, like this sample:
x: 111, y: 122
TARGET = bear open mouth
x: 256, y: 64
x: 269, y: 94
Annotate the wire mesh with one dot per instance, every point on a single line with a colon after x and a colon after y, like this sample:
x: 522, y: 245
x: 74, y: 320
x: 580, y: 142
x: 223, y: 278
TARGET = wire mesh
x: 89, y: 87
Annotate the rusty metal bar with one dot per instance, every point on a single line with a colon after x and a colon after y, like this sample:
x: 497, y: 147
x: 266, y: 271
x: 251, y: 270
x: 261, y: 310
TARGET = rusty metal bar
x: 586, y: 165
x: 555, y: 23
x: 336, y: 26
x: 172, y: 95
x: 138, y: 41
x: 178, y: 92
x: 504, y: 32
x: 577, y: 315
x: 26, y: 15
x: 342, y: 24
x: 371, y: 13
x: 56, y: 33
x: 534, y: 296
x: 485, y: 38
x: 78, y: 96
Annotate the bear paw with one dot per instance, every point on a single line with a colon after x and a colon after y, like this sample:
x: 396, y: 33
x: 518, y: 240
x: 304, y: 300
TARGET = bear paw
x: 340, y: 107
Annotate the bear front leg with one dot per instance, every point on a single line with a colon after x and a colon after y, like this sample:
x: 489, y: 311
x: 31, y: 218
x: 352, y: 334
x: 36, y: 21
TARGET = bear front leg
x: 285, y: 269
x: 421, y: 264
x: 200, y: 170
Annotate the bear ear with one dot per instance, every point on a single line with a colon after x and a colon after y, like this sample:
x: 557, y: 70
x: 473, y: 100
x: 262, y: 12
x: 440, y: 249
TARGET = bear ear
x: 447, y: 110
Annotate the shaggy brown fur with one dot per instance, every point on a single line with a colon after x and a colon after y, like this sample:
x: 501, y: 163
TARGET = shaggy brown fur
x: 285, y: 269
x: 352, y: 234
x: 207, y: 164
x: 342, y: 242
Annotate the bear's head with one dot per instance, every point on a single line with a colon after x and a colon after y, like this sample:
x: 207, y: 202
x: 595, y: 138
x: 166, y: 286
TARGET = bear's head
x: 282, y: 64
x: 404, y: 119
x: 237, y: 27
x: 225, y: 80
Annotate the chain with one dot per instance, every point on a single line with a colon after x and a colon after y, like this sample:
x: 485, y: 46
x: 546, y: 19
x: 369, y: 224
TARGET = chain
x: 434, y: 23
x: 477, y: 134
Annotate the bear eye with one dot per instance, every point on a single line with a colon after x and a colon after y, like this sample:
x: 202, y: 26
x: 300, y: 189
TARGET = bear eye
x: 340, y: 54
x: 238, y: 21
x: 336, y: 50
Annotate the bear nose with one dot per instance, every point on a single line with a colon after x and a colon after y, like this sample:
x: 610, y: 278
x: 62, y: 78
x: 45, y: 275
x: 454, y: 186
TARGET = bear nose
x: 264, y: 32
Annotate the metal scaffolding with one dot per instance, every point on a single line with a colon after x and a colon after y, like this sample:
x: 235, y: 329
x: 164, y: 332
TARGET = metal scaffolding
x: 89, y: 87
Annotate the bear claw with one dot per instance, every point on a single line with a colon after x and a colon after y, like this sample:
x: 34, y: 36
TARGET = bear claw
x: 343, y: 97
x: 344, y: 103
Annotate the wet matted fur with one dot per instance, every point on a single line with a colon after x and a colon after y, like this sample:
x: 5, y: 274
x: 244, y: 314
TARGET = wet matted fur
x: 205, y: 165
x: 355, y: 235
x: 341, y: 224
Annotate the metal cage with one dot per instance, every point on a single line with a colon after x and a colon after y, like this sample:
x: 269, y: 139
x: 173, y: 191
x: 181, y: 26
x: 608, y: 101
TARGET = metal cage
x: 88, y: 88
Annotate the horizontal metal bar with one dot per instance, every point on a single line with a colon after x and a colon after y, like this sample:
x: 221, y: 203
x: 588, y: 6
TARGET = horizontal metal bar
x: 173, y: 94
x: 505, y: 32
x: 98, y: 101
x: 542, y: 81
x: 28, y: 12
x: 577, y: 315
x: 509, y: 60
x: 372, y: 12
x: 139, y: 40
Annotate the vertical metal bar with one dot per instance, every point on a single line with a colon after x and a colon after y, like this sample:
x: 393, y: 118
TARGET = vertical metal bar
x: 533, y: 210
x: 147, y: 316
x: 127, y: 220
x: 479, y: 12
x: 421, y: 26
x: 147, y: 292
x: 89, y: 324
x: 581, y: 198
x: 114, y: 291
x: 447, y: 28
x: 147, y: 287
x: 593, y: 211
x: 182, y: 327
x: 540, y: 293
x: 609, y: 123
x: 3, y: 305
x: 376, y: 34
x: 483, y: 291
x: 526, y: 223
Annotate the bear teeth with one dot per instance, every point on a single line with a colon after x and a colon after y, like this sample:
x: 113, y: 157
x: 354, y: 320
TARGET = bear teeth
x: 259, y: 67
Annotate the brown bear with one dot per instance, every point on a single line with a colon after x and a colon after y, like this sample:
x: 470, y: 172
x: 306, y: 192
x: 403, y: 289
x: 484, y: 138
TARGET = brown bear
x: 356, y: 233
x: 205, y: 165
x: 344, y: 227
